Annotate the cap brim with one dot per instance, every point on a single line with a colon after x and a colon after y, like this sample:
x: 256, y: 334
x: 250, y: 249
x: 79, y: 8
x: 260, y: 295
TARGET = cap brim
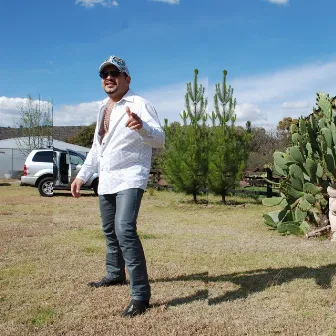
x: 105, y: 64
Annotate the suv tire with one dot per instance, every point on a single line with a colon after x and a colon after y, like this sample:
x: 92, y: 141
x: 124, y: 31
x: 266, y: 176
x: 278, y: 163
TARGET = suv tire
x: 45, y: 187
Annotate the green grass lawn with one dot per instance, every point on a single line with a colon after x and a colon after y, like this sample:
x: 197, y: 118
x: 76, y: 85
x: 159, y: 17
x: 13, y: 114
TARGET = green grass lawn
x: 214, y: 270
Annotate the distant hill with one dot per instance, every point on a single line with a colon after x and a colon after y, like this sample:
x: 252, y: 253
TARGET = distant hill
x: 59, y: 132
x: 8, y: 132
x: 63, y: 132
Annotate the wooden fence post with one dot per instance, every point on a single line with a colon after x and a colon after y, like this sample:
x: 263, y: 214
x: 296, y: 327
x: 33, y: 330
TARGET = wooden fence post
x: 269, y: 185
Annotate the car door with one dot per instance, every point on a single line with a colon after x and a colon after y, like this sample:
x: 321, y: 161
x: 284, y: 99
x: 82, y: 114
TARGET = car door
x: 76, y: 161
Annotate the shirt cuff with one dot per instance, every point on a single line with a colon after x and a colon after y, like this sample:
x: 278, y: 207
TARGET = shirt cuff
x: 84, y: 176
x: 145, y: 130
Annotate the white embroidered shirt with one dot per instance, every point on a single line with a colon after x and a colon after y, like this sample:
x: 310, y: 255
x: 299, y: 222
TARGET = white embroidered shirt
x: 123, y: 157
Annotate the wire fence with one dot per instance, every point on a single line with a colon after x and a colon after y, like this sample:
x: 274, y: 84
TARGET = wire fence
x: 11, y: 162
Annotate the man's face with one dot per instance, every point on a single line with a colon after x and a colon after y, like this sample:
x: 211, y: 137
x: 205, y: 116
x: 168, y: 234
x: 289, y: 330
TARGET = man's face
x: 115, y: 86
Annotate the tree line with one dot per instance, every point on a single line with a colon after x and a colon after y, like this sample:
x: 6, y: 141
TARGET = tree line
x: 203, y: 151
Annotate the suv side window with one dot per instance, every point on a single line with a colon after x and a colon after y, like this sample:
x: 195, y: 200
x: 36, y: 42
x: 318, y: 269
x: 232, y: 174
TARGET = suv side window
x: 45, y: 156
x: 76, y: 160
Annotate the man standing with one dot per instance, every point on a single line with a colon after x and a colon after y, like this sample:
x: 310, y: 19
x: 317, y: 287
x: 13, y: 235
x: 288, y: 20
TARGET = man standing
x: 127, y: 129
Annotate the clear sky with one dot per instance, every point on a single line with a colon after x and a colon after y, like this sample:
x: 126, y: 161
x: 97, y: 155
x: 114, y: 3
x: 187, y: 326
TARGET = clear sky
x: 278, y: 53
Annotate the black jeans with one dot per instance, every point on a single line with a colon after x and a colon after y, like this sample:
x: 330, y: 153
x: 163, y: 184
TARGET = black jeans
x: 119, y: 213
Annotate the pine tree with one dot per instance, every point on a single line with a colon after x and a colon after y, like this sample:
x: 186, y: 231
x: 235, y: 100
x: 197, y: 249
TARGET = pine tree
x: 84, y: 137
x: 228, y: 150
x: 185, y: 160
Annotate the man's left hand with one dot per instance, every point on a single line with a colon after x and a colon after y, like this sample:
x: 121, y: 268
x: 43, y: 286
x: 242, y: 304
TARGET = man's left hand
x: 134, y: 122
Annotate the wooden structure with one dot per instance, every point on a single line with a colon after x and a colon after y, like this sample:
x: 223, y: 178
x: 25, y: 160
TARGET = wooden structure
x: 256, y: 179
x: 251, y: 180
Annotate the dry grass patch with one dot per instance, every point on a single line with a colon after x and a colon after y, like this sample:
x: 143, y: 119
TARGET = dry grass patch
x: 214, y: 270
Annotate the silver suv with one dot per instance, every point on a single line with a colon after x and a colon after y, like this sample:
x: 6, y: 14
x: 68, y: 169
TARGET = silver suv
x: 54, y: 169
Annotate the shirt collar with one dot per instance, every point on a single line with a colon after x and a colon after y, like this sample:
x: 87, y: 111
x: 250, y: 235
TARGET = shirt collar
x: 129, y: 96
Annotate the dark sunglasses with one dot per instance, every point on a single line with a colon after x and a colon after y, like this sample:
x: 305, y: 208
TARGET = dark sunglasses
x: 112, y: 73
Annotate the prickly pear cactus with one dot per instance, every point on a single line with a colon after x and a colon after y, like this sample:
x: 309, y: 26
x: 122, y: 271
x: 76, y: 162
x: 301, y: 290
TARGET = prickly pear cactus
x: 308, y: 167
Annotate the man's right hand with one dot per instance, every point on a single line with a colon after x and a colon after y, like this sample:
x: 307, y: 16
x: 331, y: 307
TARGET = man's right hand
x: 75, y: 187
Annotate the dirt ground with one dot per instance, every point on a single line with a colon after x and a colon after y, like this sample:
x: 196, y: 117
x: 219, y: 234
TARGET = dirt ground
x: 214, y: 270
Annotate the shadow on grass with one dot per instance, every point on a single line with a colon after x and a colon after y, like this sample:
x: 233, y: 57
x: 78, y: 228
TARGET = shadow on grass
x: 253, y: 281
x: 243, y: 201
x: 199, y: 295
x: 229, y: 202
x: 68, y: 194
x: 4, y: 184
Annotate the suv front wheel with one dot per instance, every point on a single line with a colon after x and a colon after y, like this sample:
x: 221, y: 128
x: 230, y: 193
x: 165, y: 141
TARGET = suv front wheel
x: 45, y: 187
